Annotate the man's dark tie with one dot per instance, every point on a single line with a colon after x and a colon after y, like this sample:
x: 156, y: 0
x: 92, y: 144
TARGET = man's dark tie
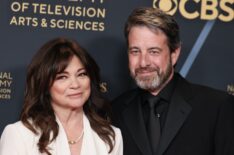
x: 153, y: 124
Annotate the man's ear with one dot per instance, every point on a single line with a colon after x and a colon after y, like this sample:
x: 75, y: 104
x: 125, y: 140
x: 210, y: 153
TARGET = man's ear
x: 175, y: 55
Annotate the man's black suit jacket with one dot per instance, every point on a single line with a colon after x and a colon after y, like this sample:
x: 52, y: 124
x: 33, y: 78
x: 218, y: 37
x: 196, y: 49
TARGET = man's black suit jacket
x: 200, y: 121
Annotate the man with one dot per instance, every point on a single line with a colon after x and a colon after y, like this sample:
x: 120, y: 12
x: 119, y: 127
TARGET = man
x: 191, y: 119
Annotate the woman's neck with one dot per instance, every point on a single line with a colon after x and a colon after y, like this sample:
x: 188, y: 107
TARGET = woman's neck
x: 70, y: 118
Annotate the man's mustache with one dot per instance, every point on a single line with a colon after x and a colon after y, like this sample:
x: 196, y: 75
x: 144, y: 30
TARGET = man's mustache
x: 147, y: 69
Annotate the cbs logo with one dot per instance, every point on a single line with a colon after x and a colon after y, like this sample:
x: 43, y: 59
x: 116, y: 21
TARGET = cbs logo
x: 169, y: 6
x: 202, y: 9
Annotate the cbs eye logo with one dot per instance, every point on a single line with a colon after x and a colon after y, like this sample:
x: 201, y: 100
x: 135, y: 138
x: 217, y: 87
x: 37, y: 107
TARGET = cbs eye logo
x: 201, y: 9
x: 168, y: 6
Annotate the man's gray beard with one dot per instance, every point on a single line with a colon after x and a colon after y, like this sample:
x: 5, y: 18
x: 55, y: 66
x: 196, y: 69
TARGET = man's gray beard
x: 148, y: 83
x: 155, y: 82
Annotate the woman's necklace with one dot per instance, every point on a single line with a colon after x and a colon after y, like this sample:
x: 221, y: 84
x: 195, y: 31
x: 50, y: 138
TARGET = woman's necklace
x: 72, y: 142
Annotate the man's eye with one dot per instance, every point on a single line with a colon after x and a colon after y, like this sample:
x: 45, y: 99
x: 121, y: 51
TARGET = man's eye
x: 133, y: 51
x: 154, y: 52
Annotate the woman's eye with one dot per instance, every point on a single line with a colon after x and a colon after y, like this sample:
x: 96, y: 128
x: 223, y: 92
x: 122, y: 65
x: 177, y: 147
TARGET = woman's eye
x: 61, y: 77
x: 83, y: 74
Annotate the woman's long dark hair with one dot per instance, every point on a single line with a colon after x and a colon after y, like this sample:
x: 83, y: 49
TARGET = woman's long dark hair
x: 37, y: 113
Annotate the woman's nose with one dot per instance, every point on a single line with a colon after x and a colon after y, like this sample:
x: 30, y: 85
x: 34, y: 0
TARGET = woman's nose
x: 75, y: 83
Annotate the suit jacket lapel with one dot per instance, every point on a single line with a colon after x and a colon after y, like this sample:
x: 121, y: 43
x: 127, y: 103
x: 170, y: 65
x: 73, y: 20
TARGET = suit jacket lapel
x: 178, y: 112
x: 133, y: 118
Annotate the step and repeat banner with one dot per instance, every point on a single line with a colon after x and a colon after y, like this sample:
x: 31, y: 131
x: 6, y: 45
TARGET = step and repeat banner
x: 207, y: 33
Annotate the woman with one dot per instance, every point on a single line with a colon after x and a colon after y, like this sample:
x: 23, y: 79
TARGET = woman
x: 64, y: 112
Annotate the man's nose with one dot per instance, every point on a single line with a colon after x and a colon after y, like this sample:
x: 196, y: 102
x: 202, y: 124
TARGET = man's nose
x: 144, y: 60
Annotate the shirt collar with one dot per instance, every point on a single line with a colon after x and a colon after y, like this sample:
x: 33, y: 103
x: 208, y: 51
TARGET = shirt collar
x: 165, y: 93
